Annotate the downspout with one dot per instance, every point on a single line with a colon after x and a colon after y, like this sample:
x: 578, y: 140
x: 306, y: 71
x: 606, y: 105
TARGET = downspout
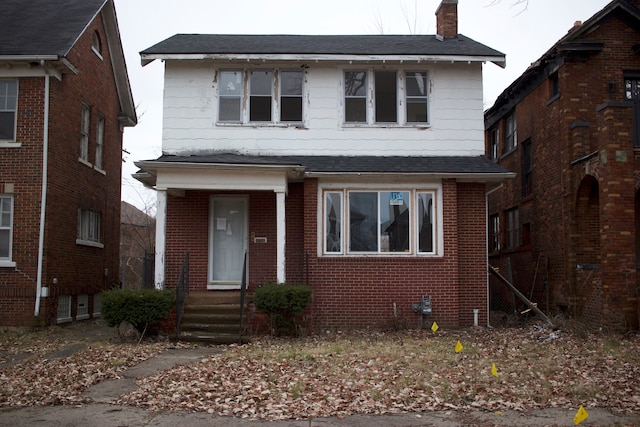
x: 45, y: 161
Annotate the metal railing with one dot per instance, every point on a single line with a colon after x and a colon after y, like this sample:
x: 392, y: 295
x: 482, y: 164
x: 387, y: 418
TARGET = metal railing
x: 243, y: 291
x: 182, y: 290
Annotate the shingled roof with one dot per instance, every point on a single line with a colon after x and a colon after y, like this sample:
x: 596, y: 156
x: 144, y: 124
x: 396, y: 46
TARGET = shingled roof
x: 334, y: 45
x: 44, y: 27
x: 478, y: 167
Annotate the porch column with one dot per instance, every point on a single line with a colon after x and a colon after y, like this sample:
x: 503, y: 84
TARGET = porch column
x: 281, y: 235
x: 161, y: 221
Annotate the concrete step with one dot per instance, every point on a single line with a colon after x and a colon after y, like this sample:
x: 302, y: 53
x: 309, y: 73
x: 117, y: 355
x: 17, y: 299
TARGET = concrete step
x: 211, y: 317
x: 213, y: 338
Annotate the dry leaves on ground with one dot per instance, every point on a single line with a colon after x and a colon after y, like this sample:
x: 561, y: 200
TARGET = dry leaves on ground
x: 376, y: 373
x: 343, y: 374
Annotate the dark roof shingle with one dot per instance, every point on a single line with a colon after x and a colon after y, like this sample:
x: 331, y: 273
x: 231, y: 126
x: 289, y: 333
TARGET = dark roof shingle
x: 43, y: 27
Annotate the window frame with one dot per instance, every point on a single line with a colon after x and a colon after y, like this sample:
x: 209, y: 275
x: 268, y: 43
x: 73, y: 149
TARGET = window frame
x: 527, y: 169
x: 260, y: 96
x: 89, y: 228
x: 354, y: 97
x: 510, y: 133
x: 412, y: 193
x: 100, y: 143
x: 494, y: 143
x: 7, y: 261
x: 512, y: 228
x: 493, y: 233
x: 4, y: 106
x: 85, y: 128
x: 245, y: 97
x: 408, y: 97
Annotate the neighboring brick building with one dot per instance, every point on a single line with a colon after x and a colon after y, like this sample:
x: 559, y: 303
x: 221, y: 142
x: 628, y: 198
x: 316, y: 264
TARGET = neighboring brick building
x: 353, y: 163
x: 137, y: 242
x: 64, y: 101
x: 569, y: 127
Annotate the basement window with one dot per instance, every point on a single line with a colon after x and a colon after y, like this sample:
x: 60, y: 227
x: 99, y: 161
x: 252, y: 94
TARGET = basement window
x: 82, y: 308
x: 64, y: 309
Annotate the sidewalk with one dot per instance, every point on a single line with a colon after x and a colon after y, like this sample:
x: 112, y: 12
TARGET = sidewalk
x: 100, y: 409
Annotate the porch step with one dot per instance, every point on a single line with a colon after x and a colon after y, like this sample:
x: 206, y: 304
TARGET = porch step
x: 212, y: 317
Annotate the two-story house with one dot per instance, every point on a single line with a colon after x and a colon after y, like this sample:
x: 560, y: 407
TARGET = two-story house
x: 64, y: 101
x: 353, y: 163
x: 569, y: 128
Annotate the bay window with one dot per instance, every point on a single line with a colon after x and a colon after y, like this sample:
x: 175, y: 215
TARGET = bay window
x: 397, y: 221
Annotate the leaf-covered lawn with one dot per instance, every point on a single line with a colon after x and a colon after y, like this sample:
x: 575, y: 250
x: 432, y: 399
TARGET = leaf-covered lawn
x: 342, y: 374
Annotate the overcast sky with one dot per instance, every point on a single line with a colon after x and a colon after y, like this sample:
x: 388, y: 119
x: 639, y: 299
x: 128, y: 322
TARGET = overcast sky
x: 522, y: 31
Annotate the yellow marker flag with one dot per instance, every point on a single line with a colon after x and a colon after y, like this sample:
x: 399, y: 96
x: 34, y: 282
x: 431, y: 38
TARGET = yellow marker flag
x: 494, y: 371
x: 581, y: 415
x: 459, y: 347
x: 434, y: 327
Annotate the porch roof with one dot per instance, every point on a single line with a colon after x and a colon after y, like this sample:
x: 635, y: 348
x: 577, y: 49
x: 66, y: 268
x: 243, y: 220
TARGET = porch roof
x: 476, y: 168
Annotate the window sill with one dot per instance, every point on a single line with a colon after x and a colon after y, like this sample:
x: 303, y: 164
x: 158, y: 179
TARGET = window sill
x: 10, y: 144
x: 421, y: 126
x: 396, y: 255
x: 85, y: 162
x: 89, y: 243
x: 101, y: 171
x: 7, y: 263
x: 553, y: 99
x: 508, y: 153
x: 292, y: 125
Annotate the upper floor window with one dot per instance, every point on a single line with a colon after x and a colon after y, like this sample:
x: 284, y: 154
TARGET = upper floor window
x: 494, y: 233
x: 275, y: 96
x: 388, y: 89
x: 85, y: 120
x: 96, y: 44
x: 632, y: 88
x: 8, y: 109
x: 513, y: 228
x: 6, y: 226
x: 494, y: 143
x: 99, y: 142
x: 88, y: 228
x: 511, y: 134
x: 554, y: 85
x: 527, y: 169
x: 379, y: 222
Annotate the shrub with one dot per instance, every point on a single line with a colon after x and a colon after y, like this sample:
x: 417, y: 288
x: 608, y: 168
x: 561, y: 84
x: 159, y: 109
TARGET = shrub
x: 139, y: 307
x: 282, y: 302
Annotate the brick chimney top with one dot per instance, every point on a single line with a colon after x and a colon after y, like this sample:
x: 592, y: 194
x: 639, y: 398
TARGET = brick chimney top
x: 447, y: 18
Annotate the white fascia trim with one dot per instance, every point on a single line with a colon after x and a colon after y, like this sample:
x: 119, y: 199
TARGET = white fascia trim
x: 148, y: 58
x: 155, y: 166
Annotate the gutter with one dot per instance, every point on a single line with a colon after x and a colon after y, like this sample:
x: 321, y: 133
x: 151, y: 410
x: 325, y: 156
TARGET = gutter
x: 43, y: 204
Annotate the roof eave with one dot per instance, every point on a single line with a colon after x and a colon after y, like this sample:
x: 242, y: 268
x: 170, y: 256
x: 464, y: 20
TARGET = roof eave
x: 460, y: 176
x: 147, y: 58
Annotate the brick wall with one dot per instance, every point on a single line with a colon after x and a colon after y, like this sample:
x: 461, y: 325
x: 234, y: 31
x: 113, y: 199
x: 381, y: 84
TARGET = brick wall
x: 71, y: 184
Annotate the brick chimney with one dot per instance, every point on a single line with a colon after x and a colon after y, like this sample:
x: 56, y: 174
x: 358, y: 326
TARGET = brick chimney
x: 447, y: 18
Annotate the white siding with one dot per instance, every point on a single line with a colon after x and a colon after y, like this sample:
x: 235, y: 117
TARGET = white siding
x: 456, y: 117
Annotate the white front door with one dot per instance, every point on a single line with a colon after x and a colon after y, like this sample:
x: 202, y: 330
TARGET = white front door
x: 227, y: 241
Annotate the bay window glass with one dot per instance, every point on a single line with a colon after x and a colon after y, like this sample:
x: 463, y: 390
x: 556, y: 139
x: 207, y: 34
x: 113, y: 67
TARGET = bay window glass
x: 333, y: 222
x: 355, y: 96
x: 363, y: 222
x: 379, y: 222
x: 230, y: 96
x: 260, y: 95
x: 426, y: 223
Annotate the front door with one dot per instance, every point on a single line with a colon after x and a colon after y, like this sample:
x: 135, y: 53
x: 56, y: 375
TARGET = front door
x: 227, y: 241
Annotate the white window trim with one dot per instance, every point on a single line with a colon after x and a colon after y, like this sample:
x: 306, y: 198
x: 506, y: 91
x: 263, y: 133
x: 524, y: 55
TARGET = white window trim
x: 413, y: 188
x: 371, y: 108
x: 85, y: 129
x: 13, y: 142
x: 8, y: 262
x: 275, y: 100
x: 85, y: 242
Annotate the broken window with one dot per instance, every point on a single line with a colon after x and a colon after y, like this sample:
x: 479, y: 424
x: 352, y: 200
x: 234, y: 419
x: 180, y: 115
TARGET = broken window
x: 386, y: 88
x: 260, y: 95
x: 355, y: 96
x: 291, y: 96
x: 230, y: 96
